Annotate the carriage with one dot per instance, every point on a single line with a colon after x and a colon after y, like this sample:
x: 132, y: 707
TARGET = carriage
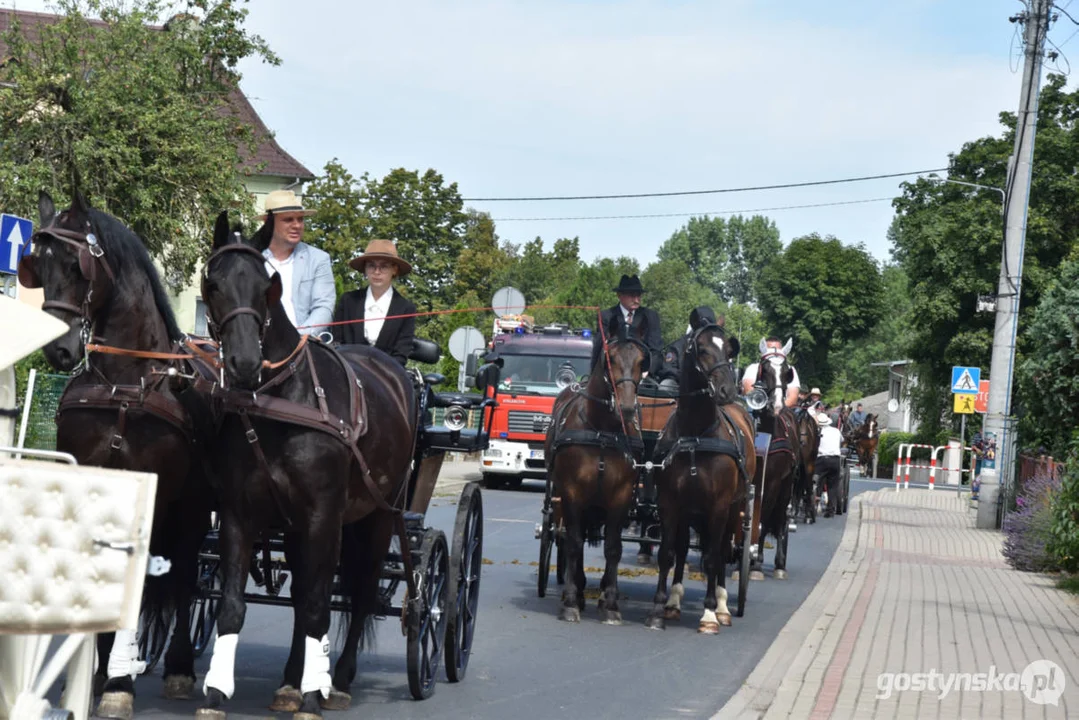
x: 440, y: 622
x: 656, y: 405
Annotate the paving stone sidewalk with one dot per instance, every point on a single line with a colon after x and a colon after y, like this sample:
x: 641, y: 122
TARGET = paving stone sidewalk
x: 915, y: 587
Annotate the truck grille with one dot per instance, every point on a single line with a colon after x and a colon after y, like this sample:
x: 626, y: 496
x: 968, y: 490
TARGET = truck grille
x: 524, y: 421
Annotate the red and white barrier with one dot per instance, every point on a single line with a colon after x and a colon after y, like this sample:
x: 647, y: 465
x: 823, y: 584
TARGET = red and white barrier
x: 902, y: 470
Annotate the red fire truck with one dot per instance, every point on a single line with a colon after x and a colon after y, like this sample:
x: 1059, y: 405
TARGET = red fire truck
x: 537, y: 363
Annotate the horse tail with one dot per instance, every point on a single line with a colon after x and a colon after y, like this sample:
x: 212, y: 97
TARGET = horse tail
x: 360, y: 573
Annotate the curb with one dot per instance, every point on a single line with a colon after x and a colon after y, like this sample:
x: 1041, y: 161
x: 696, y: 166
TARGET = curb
x: 804, y: 633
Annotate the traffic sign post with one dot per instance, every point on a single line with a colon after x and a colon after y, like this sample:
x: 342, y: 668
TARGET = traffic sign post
x: 963, y: 404
x: 15, y: 235
x: 965, y: 380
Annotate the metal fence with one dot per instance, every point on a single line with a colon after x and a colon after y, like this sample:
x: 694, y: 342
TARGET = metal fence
x: 44, y: 393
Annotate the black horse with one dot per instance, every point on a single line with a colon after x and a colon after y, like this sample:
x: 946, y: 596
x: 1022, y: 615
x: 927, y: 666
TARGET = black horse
x: 590, y: 449
x: 127, y: 411
x: 707, y: 461
x: 310, y: 442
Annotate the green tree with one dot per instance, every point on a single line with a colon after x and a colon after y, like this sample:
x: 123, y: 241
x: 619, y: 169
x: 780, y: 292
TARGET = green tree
x: 821, y: 293
x: 539, y: 274
x: 484, y: 263
x: 339, y: 225
x: 592, y: 287
x: 1048, y: 378
x: 136, y: 116
x: 673, y: 292
x: 949, y: 238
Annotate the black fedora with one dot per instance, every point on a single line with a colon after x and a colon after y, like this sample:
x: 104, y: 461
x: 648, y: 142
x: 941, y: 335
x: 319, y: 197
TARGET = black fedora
x: 630, y: 285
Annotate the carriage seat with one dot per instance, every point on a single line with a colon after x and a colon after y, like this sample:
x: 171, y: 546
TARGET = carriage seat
x: 434, y: 379
x: 651, y: 389
x: 424, y: 351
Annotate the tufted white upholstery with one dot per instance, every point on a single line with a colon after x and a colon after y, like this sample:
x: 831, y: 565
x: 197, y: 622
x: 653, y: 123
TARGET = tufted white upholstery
x: 55, y: 579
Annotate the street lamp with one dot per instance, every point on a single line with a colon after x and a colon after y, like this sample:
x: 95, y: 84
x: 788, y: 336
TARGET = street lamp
x: 1003, y: 196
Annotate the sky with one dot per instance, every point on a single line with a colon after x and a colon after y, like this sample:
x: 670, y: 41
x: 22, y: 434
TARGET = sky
x: 587, y: 97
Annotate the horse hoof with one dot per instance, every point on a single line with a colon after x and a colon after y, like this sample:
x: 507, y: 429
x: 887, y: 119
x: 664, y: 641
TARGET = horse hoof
x: 179, y: 687
x: 724, y: 619
x: 756, y: 575
x: 286, y: 699
x: 306, y: 716
x: 780, y: 574
x: 655, y: 623
x: 572, y: 615
x: 336, y: 701
x: 612, y: 617
x: 707, y: 627
x: 672, y: 613
x: 210, y: 714
x: 116, y: 706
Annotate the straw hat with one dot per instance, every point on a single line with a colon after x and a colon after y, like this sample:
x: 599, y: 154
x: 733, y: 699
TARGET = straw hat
x: 384, y: 250
x: 815, y: 391
x: 823, y: 420
x: 283, y: 201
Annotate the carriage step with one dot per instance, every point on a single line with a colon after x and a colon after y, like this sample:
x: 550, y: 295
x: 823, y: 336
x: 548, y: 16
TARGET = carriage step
x: 413, y: 520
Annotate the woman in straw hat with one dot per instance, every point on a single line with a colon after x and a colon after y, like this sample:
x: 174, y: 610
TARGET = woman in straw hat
x: 380, y: 264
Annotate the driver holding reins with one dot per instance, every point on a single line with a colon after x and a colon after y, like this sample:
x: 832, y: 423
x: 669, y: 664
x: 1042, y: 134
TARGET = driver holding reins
x: 776, y: 354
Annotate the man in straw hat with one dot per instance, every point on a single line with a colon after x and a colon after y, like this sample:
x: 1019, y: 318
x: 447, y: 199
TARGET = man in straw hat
x: 643, y: 322
x: 307, y: 288
x: 379, y: 264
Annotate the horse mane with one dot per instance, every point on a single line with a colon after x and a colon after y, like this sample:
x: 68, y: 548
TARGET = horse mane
x: 127, y: 255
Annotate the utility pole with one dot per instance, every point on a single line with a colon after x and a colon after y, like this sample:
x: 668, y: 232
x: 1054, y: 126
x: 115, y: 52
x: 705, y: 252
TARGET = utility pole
x: 1002, y: 368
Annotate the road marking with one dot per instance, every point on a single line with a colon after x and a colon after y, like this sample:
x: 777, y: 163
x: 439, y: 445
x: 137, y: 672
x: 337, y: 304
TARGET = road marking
x: 511, y: 520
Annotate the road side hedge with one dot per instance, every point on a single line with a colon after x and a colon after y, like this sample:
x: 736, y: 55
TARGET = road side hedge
x: 888, y: 446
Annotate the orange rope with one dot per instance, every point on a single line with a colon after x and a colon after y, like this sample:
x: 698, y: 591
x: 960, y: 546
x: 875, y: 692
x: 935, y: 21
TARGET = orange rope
x: 449, y: 312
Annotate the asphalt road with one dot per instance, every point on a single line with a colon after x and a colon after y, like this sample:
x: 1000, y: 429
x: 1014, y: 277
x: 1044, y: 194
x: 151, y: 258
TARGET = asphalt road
x: 528, y: 664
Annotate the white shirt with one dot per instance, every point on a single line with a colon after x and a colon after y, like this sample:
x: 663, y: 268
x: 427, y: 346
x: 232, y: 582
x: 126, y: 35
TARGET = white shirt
x: 374, y: 314
x: 625, y: 313
x: 284, y: 269
x: 830, y: 441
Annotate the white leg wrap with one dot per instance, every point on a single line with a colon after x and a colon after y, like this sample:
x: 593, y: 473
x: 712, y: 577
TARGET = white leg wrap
x: 316, y: 666
x: 677, y: 593
x: 709, y: 617
x: 721, y: 601
x: 222, y: 673
x: 124, y: 657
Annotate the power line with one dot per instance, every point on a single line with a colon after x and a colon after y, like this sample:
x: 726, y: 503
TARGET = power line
x: 704, y: 192
x: 711, y: 212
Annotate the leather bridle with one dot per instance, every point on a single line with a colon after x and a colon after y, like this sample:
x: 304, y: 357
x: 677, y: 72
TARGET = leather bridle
x: 724, y: 364
x: 216, y: 328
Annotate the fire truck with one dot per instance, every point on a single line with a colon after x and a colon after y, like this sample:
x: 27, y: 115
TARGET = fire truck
x: 538, y: 362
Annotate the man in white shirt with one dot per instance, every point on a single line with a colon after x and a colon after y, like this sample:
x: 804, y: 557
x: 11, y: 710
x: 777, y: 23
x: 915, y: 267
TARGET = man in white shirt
x: 772, y: 351
x: 829, y: 458
x: 307, y: 288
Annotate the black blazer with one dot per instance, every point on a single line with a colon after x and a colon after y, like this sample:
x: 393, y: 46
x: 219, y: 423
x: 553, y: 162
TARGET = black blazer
x: 395, y: 337
x: 645, y: 327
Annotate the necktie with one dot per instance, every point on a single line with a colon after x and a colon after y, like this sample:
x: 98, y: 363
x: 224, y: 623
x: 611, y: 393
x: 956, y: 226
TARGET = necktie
x: 629, y: 318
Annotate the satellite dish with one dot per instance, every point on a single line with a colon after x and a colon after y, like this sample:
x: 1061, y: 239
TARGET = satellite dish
x: 893, y: 405
x: 463, y: 341
x: 508, y: 301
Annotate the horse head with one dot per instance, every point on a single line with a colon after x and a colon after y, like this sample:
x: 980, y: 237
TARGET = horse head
x: 774, y: 374
x: 69, y: 264
x: 240, y: 297
x: 871, y: 426
x: 624, y: 364
x: 707, y: 363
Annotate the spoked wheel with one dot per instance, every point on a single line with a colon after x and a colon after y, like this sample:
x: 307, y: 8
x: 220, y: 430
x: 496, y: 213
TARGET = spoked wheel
x: 464, y: 581
x: 747, y: 542
x: 547, y: 539
x: 427, y: 615
x: 560, y: 561
x: 844, y: 491
x: 204, y: 607
x: 153, y: 636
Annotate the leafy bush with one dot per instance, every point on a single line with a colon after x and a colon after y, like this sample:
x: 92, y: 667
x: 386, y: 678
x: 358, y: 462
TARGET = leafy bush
x: 1064, y: 538
x: 888, y: 446
x: 1028, y: 529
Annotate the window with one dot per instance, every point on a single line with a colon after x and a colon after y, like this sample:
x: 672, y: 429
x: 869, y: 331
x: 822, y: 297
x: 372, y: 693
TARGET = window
x: 894, y: 390
x: 200, y: 318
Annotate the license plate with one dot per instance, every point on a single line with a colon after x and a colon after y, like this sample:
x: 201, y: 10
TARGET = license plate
x: 537, y: 455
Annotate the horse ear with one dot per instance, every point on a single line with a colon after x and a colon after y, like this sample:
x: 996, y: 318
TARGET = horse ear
x: 221, y: 229
x: 273, y: 293
x: 80, y: 204
x: 46, y: 209
x: 763, y: 347
x: 788, y: 346
x: 264, y: 235
x: 733, y: 348
x: 613, y: 326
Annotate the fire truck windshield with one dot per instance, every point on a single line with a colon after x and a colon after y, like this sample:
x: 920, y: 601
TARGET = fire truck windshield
x: 538, y: 374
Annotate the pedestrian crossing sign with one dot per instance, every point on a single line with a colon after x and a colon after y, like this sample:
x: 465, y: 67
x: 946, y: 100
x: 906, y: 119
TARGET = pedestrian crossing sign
x: 965, y: 380
x: 964, y: 404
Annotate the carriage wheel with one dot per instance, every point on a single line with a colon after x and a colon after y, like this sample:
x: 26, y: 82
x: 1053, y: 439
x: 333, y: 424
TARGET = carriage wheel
x: 844, y: 496
x: 152, y: 639
x: 544, y: 568
x: 427, y: 625
x: 204, y: 607
x: 747, y: 542
x: 464, y: 582
x: 560, y: 560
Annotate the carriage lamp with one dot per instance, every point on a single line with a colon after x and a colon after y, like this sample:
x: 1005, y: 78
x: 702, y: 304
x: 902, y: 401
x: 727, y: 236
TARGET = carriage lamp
x: 565, y: 377
x: 756, y: 399
x: 456, y: 418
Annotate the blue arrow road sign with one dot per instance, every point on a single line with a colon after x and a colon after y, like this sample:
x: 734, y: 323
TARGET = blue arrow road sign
x: 965, y: 380
x: 15, y: 235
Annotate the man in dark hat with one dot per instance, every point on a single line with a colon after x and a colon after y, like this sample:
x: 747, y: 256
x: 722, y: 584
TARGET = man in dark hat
x: 672, y: 356
x: 643, y: 322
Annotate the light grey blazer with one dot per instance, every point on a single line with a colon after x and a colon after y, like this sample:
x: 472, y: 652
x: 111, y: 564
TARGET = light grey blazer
x: 313, y: 292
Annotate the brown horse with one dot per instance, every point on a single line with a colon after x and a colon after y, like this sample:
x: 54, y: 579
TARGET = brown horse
x: 707, y: 451
x: 127, y: 411
x: 805, y: 501
x: 310, y: 441
x: 776, y: 474
x: 590, y: 450
x: 865, y: 440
